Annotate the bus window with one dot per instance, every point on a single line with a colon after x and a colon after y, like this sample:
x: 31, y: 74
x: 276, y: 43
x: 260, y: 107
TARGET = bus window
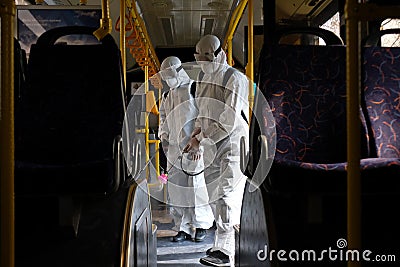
x: 390, y: 40
x: 333, y: 25
x: 34, y: 20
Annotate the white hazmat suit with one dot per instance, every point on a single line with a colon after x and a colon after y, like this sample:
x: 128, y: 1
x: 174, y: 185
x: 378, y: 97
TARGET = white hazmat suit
x: 187, y: 194
x: 219, y: 128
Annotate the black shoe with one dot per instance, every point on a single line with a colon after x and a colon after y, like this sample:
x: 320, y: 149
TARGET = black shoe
x: 181, y: 236
x: 216, y: 258
x: 200, y: 234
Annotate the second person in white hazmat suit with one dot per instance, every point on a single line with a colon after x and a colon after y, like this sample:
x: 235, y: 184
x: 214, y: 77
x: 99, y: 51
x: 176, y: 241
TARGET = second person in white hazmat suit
x: 219, y: 128
x: 188, y: 196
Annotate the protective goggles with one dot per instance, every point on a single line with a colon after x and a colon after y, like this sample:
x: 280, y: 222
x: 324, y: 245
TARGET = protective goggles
x: 170, y: 73
x: 207, y: 56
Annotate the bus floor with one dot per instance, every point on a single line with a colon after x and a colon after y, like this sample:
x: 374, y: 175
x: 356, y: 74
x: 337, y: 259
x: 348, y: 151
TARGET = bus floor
x: 184, y: 253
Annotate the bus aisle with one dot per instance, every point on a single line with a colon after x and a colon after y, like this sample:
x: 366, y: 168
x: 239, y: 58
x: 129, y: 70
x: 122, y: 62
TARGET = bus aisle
x: 184, y: 253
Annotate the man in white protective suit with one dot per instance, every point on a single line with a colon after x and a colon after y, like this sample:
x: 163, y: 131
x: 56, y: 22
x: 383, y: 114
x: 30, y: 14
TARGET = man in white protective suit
x: 219, y: 127
x: 188, y: 196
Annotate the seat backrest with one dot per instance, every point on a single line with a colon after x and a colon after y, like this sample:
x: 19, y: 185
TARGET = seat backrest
x: 306, y: 98
x: 382, y: 98
x: 306, y: 90
x: 74, y: 107
x: 329, y: 37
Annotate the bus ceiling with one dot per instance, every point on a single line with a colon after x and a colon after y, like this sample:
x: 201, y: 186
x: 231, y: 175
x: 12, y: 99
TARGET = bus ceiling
x: 196, y: 17
x: 183, y: 22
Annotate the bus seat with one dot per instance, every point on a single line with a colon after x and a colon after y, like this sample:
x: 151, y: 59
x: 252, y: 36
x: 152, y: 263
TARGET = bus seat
x: 71, y: 117
x: 308, y: 100
x: 307, y: 181
x: 310, y: 112
x: 380, y: 99
x: 381, y: 103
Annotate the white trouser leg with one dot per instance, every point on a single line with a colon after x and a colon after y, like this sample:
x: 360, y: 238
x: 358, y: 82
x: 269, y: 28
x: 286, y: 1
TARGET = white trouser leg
x: 180, y: 201
x: 189, y: 200
x: 203, y: 216
x: 225, y: 184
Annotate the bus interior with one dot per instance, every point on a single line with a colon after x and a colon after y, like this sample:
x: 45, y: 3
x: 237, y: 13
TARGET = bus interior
x: 81, y: 156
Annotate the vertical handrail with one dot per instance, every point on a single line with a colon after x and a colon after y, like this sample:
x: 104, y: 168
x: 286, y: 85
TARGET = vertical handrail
x: 233, y: 23
x: 227, y: 44
x: 7, y: 205
x: 122, y: 44
x: 146, y: 90
x: 353, y: 79
x: 229, y: 51
x: 250, y: 56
